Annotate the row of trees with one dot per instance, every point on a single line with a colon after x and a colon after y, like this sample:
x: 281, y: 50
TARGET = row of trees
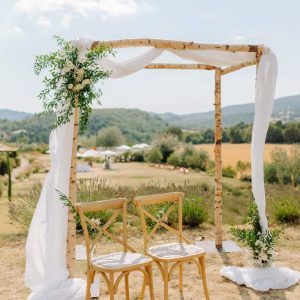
x: 278, y: 133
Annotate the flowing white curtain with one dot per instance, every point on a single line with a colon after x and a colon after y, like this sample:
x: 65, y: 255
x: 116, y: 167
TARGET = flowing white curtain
x: 46, y: 272
x: 264, y: 96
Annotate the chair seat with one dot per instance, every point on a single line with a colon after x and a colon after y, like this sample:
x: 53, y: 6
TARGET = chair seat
x: 175, y: 251
x: 120, y: 260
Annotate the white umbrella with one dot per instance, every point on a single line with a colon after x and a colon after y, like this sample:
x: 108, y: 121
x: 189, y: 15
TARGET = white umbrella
x: 91, y: 153
x: 137, y: 146
x: 124, y: 147
x: 108, y: 153
x: 140, y: 146
x: 145, y: 145
x: 79, y: 154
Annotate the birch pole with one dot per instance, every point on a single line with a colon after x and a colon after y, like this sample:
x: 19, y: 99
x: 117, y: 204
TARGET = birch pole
x: 71, y: 234
x: 218, y: 160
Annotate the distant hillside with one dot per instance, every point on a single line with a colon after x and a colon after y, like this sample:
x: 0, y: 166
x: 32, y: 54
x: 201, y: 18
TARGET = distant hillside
x: 285, y: 109
x: 137, y: 126
x: 12, y: 115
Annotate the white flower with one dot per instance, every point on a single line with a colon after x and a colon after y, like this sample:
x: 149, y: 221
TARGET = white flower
x: 66, y: 69
x: 82, y: 59
x: 80, y: 72
x: 86, y: 82
x: 70, y: 86
x: 78, y: 87
x: 69, y: 64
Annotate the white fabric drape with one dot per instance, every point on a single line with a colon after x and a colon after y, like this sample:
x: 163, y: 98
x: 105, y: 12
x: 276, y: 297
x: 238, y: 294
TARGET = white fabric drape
x: 264, y: 96
x: 130, y: 66
x: 214, y: 57
x: 46, y: 272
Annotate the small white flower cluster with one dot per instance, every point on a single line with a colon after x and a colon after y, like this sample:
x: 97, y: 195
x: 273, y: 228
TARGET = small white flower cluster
x: 78, y: 74
x: 96, y: 221
x: 263, y: 252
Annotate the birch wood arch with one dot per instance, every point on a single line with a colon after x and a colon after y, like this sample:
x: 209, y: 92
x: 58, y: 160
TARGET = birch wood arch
x: 219, y: 72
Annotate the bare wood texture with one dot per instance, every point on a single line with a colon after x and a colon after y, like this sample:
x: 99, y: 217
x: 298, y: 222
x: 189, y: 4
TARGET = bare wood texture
x: 181, y: 66
x: 179, y: 45
x: 238, y: 67
x: 120, y: 267
x: 218, y: 161
x: 71, y: 233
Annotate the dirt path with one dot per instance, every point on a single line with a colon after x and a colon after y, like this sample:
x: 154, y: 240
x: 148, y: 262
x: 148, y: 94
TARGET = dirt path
x: 19, y: 170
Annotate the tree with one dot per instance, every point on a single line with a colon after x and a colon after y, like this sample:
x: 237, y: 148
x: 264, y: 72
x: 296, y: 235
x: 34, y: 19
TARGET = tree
x: 291, y: 134
x: 109, y: 137
x: 235, y: 136
x: 166, y: 143
x: 274, y: 134
x: 175, y: 130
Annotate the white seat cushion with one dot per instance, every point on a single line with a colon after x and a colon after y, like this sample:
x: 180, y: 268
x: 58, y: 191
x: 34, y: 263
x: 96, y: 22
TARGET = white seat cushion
x: 175, y: 250
x: 120, y: 260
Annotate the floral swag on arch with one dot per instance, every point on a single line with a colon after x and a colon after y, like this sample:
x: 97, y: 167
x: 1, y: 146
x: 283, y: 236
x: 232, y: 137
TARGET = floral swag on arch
x: 74, y: 72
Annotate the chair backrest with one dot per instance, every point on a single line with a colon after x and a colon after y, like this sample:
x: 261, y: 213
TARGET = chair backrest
x: 174, y: 199
x: 118, y: 206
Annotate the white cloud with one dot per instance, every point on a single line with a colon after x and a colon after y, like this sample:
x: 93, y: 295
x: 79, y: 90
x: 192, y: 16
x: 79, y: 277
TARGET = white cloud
x: 69, y: 8
x: 66, y: 20
x: 14, y: 30
x: 43, y: 21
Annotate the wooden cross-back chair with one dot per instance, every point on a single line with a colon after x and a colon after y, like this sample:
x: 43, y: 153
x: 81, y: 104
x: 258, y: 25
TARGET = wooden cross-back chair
x: 121, y: 263
x: 173, y: 253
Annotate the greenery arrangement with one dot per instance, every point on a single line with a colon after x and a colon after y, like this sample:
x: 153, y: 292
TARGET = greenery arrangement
x: 261, y: 244
x: 73, y: 74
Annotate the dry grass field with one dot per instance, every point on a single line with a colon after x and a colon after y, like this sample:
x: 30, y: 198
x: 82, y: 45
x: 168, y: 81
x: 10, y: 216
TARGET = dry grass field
x: 12, y: 262
x: 231, y: 153
x: 12, y: 240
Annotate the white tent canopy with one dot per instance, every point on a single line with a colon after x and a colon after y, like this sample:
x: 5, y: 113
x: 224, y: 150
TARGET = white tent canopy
x: 108, y: 153
x: 123, y: 147
x: 46, y: 272
x: 91, y: 153
x: 140, y: 146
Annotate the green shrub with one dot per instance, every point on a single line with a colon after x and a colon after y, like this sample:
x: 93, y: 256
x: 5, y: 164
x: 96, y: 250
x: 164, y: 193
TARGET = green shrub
x: 246, y: 178
x: 175, y: 160
x: 154, y: 155
x: 229, y: 172
x: 194, y: 212
x: 137, y: 156
x: 190, y: 158
x: 270, y: 173
x: 286, y: 209
x: 166, y: 143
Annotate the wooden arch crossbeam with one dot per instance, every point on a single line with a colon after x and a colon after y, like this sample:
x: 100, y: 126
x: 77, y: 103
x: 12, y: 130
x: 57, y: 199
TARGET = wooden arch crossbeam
x: 181, y: 45
x: 175, y: 45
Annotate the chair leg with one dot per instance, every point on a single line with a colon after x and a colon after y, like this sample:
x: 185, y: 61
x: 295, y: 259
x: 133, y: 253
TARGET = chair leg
x: 127, y: 286
x: 143, y: 289
x: 150, y: 277
x: 203, y: 273
x: 88, y: 284
x: 166, y: 281
x: 180, y: 277
x: 111, y: 287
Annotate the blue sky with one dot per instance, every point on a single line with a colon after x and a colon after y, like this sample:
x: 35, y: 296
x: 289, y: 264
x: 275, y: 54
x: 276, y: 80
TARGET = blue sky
x: 27, y: 26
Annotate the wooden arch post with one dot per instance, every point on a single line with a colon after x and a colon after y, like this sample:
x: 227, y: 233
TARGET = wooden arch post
x: 71, y: 234
x: 218, y: 160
